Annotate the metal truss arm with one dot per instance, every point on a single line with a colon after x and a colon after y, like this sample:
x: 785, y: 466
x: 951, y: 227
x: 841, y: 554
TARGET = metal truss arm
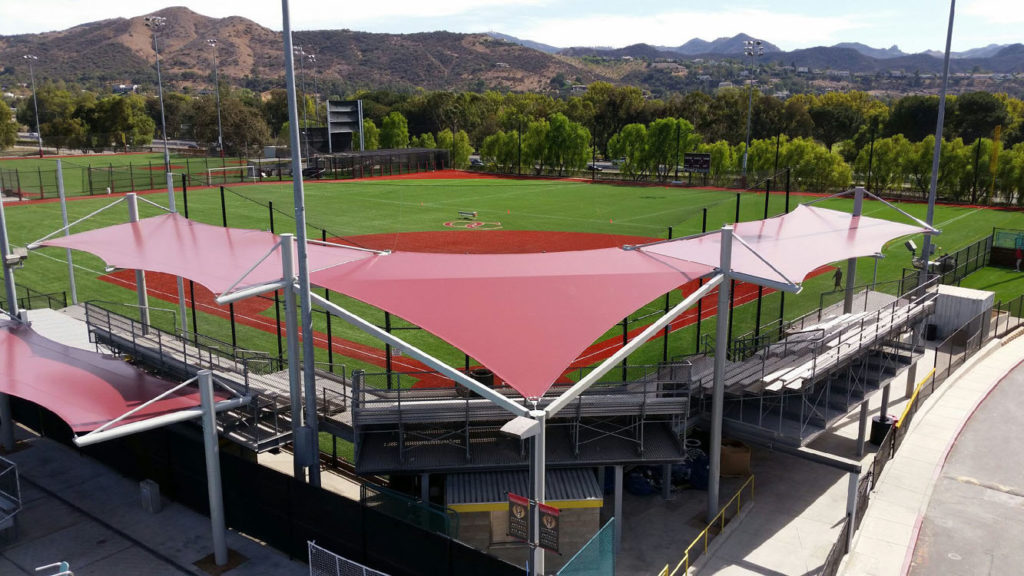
x: 414, y: 352
x: 606, y: 366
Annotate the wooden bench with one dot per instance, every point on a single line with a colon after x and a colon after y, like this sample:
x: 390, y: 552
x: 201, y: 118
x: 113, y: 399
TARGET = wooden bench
x: 467, y: 214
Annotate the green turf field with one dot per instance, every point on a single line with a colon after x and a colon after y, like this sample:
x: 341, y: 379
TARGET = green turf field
x: 367, y: 206
x: 1005, y: 282
x: 123, y: 172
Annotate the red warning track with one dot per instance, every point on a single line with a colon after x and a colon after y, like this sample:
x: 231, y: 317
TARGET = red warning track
x: 258, y: 312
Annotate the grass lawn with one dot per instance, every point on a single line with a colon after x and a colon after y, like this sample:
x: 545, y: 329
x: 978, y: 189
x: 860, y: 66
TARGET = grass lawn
x: 385, y: 206
x: 1005, y: 282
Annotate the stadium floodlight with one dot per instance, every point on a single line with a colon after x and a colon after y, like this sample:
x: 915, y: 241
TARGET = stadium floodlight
x: 35, y: 101
x: 298, y: 51
x: 216, y: 79
x: 156, y: 24
x: 752, y: 48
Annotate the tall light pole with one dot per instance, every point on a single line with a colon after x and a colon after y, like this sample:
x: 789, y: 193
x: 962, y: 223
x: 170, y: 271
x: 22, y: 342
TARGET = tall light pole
x: 297, y: 50
x: 752, y: 48
x: 216, y: 78
x: 156, y: 24
x: 35, y: 101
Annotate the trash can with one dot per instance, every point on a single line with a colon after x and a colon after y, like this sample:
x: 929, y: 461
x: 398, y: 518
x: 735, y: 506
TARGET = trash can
x: 879, y: 428
x: 931, y: 332
x: 150, y: 492
x: 483, y: 376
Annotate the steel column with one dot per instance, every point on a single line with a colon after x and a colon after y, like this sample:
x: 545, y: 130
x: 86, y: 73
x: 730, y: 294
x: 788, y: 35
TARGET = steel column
x: 718, y: 391
x: 140, y: 275
x: 213, y: 483
x: 291, y: 323
x: 851, y: 264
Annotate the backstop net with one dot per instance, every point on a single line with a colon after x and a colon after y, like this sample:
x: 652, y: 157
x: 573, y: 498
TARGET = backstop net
x: 597, y: 557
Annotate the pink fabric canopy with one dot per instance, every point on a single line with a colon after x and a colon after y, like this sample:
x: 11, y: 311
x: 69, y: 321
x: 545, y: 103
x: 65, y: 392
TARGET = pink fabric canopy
x: 85, y: 389
x: 214, y: 256
x: 524, y: 316
x: 794, y: 243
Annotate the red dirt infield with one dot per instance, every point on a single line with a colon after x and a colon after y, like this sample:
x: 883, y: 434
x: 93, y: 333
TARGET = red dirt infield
x: 258, y: 312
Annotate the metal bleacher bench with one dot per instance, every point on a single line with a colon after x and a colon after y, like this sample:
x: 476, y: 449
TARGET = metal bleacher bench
x: 467, y: 214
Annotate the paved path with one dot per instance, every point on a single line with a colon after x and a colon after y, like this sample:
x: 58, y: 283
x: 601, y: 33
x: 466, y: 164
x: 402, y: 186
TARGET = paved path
x: 975, y: 519
x: 885, y: 543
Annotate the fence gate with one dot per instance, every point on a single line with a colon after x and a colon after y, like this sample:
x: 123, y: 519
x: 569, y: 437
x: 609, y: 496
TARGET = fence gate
x: 323, y: 562
x: 597, y: 557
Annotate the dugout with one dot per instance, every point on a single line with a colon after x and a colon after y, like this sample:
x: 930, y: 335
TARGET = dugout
x: 1005, y: 242
x: 481, y: 501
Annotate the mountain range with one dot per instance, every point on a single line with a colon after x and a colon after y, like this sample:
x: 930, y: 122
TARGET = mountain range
x: 121, y: 50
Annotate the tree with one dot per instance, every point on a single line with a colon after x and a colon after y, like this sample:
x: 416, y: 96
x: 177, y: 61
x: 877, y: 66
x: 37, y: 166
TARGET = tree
x: 976, y: 114
x: 243, y: 125
x: 423, y: 141
x: 501, y: 150
x: 667, y: 140
x: 8, y: 130
x: 394, y: 132
x: 458, y: 146
x: 371, y: 135
x: 567, y: 146
x: 914, y: 117
x: 535, y: 143
x: 275, y: 110
x: 836, y: 117
x: 630, y: 144
x: 65, y: 133
x: 121, y: 120
x: 890, y: 163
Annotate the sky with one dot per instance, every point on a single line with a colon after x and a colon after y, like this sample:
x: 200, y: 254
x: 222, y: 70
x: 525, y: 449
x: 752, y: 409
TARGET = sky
x: 913, y: 25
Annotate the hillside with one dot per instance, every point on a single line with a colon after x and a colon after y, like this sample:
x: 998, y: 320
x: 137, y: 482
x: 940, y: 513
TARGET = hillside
x: 120, y: 50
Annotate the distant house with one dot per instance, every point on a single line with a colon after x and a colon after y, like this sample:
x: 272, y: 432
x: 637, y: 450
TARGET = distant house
x: 579, y: 89
x: 501, y: 65
x: 801, y: 70
x: 627, y: 58
x: 725, y: 84
x: 125, y: 88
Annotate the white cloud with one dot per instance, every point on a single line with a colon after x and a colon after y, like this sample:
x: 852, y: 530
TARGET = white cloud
x: 789, y: 31
x: 995, y: 11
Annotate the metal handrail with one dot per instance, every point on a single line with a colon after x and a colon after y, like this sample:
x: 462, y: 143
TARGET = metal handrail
x: 718, y: 520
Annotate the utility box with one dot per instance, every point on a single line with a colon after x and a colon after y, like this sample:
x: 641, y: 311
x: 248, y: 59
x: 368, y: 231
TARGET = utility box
x: 956, y: 306
x: 150, y: 492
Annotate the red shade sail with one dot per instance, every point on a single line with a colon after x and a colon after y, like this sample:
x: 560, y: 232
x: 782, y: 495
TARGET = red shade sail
x: 85, y: 389
x: 524, y: 316
x: 795, y: 243
x: 215, y: 257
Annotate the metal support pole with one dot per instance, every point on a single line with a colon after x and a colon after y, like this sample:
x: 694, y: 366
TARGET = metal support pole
x: 6, y: 423
x: 666, y: 481
x: 300, y: 238
x: 718, y: 391
x: 213, y: 483
x: 884, y: 410
x: 862, y: 428
x: 425, y: 487
x: 851, y: 508
x: 618, y: 507
x: 140, y: 275
x: 291, y: 323
x: 537, y: 486
x: 933, y: 185
x: 64, y: 220
x: 851, y: 264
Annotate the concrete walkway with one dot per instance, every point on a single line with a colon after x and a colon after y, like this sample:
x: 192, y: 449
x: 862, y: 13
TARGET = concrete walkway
x: 800, y: 506
x: 889, y: 532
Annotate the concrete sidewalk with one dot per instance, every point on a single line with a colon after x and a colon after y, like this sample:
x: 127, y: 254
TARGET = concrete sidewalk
x: 887, y: 536
x: 800, y: 506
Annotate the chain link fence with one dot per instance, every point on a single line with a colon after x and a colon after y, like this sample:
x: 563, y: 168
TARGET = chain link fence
x: 323, y: 562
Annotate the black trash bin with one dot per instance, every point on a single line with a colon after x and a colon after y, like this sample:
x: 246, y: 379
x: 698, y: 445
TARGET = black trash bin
x: 481, y: 375
x: 879, y: 428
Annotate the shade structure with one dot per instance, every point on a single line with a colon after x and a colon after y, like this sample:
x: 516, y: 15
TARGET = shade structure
x: 214, y: 256
x: 83, y: 388
x: 524, y: 316
x: 795, y: 244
